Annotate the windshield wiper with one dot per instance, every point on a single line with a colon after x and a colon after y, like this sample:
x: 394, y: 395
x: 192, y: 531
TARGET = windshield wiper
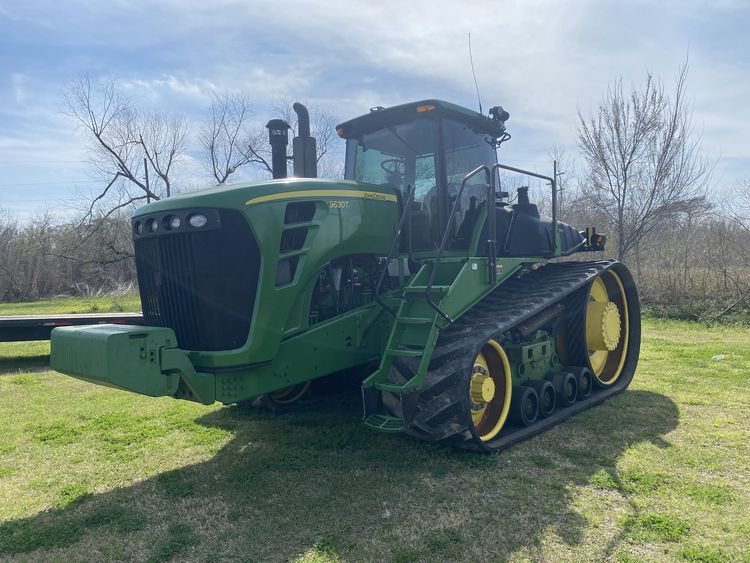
x: 392, y: 129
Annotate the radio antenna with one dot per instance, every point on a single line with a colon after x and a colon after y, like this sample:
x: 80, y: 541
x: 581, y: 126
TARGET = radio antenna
x: 474, y: 74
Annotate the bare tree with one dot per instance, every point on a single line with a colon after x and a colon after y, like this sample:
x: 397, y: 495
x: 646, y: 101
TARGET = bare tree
x: 107, y: 241
x: 38, y: 269
x: 10, y: 265
x: 229, y: 139
x: 34, y: 263
x: 162, y: 140
x: 134, y: 153
x: 643, y: 157
x: 737, y: 207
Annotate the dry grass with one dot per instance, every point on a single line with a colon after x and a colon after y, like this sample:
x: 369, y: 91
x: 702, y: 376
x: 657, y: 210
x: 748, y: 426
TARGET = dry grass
x: 661, y: 472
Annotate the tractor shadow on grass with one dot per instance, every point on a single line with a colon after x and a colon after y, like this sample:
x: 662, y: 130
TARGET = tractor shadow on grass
x: 25, y: 364
x: 316, y: 480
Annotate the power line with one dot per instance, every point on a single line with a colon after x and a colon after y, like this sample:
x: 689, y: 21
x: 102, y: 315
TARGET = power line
x: 41, y: 162
x: 53, y: 183
x: 49, y: 200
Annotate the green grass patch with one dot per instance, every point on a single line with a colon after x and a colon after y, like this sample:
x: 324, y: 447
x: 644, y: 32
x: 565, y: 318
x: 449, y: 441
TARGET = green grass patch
x: 25, y: 379
x: 45, y: 532
x: 18, y: 356
x: 26, y: 535
x: 64, y: 305
x: 323, y: 551
x: 659, y: 473
x: 115, y: 518
x: 445, y: 544
x: 174, y: 484
x: 664, y: 527
x: 604, y: 480
x: 58, y: 432
x: 642, y: 482
x: 709, y: 493
x: 178, y: 538
x: 72, y: 493
x: 702, y: 554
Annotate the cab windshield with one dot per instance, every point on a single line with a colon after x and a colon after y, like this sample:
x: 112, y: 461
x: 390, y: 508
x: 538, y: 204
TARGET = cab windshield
x: 397, y: 156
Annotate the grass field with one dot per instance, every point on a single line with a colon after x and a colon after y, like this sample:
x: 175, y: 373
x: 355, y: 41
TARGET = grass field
x: 661, y: 472
x: 35, y: 355
x: 104, y: 304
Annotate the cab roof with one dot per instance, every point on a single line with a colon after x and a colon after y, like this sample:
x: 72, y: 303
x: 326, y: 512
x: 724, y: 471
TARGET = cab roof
x: 404, y: 113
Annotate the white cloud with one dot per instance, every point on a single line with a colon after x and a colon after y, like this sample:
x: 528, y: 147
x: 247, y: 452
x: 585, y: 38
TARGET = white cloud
x: 18, y: 81
x: 539, y: 59
x: 161, y: 91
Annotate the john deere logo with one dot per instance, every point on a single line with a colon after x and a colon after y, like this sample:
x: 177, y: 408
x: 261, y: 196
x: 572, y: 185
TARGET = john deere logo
x: 374, y: 195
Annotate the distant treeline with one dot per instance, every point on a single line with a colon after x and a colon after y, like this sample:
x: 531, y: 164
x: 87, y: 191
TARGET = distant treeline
x: 46, y: 257
x: 642, y: 178
x: 694, y: 265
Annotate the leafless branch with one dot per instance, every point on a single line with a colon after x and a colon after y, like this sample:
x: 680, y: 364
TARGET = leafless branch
x: 122, y: 142
x: 228, y: 138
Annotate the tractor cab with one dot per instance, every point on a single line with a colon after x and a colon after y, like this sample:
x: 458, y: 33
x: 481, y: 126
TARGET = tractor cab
x: 430, y: 146
x: 434, y: 147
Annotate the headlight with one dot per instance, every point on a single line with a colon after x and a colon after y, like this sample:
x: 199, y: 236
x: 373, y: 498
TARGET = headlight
x: 198, y: 220
x: 152, y: 225
x: 174, y: 222
x: 138, y: 228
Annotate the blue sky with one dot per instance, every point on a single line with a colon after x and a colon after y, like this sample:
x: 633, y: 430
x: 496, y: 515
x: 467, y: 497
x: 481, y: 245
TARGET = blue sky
x: 540, y: 60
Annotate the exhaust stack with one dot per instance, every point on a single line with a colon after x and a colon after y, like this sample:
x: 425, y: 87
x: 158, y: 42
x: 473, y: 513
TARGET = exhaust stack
x: 278, y: 137
x: 303, y: 145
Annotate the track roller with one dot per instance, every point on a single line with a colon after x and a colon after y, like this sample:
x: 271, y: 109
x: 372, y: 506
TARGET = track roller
x: 524, y: 405
x: 585, y: 381
x: 566, y: 387
x: 547, y: 396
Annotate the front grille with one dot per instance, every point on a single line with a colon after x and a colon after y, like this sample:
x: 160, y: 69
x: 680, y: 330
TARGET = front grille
x: 201, y: 283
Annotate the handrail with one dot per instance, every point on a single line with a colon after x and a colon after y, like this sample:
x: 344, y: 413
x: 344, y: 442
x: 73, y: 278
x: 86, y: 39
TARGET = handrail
x: 410, y: 190
x: 553, y: 183
x: 446, y: 235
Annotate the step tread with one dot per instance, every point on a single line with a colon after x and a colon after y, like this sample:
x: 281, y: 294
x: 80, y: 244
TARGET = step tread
x: 385, y: 422
x: 415, y: 320
x: 404, y: 353
x: 423, y: 288
x: 390, y: 387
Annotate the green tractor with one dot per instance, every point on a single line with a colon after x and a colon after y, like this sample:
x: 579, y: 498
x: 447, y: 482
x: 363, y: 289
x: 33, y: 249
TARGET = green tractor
x: 415, y: 271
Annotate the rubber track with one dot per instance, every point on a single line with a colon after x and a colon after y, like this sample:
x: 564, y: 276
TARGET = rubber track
x: 442, y: 405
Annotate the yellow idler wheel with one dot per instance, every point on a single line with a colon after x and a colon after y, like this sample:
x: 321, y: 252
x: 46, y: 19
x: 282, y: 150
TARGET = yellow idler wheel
x: 607, y: 328
x: 489, y: 390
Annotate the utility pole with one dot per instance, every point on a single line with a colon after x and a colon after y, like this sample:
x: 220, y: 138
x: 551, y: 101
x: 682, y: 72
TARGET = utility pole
x: 148, y: 188
x: 558, y: 186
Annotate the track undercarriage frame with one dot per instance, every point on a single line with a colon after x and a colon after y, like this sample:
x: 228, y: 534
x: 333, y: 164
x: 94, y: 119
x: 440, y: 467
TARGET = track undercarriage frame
x: 546, y: 306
